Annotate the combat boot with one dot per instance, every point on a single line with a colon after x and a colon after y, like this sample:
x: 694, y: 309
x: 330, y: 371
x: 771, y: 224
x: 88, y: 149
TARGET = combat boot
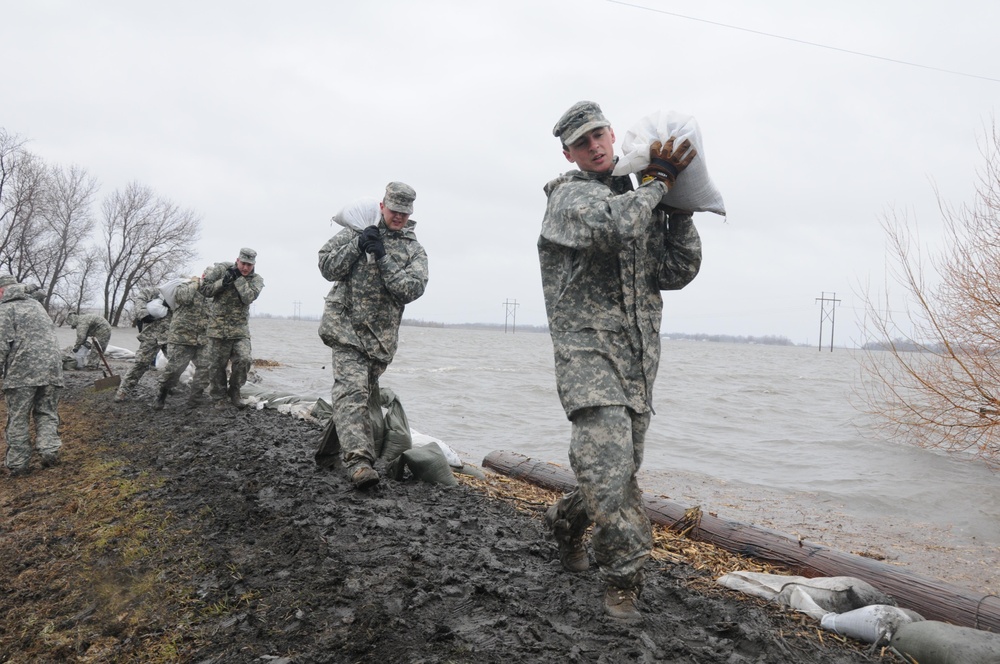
x: 620, y: 603
x: 161, y: 399
x: 363, y: 476
x: 121, y: 395
x: 50, y: 459
x: 234, y: 397
x: 572, y: 551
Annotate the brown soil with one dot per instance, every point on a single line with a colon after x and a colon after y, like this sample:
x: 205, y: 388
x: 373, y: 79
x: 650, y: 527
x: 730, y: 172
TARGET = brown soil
x: 208, y: 536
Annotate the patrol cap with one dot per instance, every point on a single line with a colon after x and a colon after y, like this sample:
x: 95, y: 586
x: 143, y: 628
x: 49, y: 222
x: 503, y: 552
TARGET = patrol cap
x: 7, y: 280
x: 248, y: 256
x: 399, y: 197
x: 583, y: 116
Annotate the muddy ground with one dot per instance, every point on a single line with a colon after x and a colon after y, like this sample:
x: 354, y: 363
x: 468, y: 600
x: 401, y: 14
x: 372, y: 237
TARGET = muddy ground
x: 208, y: 536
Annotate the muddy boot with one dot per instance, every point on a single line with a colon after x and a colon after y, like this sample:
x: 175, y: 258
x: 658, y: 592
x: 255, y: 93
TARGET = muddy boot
x: 234, y: 397
x: 620, y: 603
x: 572, y: 551
x: 363, y: 476
x: 121, y: 395
x: 161, y: 400
x: 50, y: 459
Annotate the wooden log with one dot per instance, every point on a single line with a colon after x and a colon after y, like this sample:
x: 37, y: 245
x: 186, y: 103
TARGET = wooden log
x: 931, y: 598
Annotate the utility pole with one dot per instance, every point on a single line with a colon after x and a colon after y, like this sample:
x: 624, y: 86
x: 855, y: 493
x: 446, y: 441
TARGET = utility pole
x: 827, y: 311
x: 510, y: 314
x: 296, y: 310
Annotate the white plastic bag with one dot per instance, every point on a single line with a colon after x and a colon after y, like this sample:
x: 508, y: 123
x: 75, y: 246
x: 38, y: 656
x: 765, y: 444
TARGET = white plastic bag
x: 359, y: 215
x: 694, y: 189
x: 157, y: 308
x: 168, y: 289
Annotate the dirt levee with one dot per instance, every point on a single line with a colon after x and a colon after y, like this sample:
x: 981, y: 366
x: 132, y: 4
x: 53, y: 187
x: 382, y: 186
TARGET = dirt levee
x: 211, y: 536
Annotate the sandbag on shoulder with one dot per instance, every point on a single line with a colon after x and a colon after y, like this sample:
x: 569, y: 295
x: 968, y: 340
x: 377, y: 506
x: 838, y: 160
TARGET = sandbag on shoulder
x: 934, y: 642
x: 694, y: 189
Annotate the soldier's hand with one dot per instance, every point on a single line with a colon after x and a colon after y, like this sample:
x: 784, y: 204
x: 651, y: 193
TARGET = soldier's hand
x: 230, y: 275
x: 366, y: 238
x: 377, y: 248
x: 666, y: 162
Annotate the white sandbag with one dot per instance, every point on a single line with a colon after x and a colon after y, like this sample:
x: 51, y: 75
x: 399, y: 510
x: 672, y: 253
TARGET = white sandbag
x: 157, y: 308
x: 836, y: 594
x: 451, y: 455
x: 359, y: 215
x: 81, y: 357
x: 118, y: 353
x: 160, y: 363
x: 168, y: 289
x: 876, y: 623
x: 934, y: 642
x: 694, y: 189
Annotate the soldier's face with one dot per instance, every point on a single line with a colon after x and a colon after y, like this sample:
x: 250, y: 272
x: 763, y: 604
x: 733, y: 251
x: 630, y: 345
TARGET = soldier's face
x: 244, y: 268
x: 593, y: 152
x: 394, y: 221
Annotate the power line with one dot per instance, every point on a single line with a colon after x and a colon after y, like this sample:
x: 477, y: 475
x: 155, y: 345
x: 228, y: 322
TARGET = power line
x: 803, y: 41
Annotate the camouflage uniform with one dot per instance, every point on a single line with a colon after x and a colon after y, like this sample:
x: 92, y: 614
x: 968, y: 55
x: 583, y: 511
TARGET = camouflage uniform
x: 228, y: 324
x: 152, y: 337
x: 361, y: 318
x: 187, y: 341
x: 90, y: 325
x: 32, y: 366
x: 605, y: 255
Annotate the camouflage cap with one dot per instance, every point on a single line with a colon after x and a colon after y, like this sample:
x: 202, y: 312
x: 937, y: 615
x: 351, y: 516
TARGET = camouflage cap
x: 248, y: 256
x: 583, y: 116
x: 7, y: 280
x: 399, y: 197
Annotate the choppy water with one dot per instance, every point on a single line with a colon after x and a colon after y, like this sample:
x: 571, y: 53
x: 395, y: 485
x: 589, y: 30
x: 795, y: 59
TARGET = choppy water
x: 768, y: 420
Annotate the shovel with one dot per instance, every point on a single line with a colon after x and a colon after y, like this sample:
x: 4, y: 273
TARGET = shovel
x: 110, y: 378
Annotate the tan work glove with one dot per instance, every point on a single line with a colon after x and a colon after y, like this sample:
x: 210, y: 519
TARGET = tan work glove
x: 666, y: 163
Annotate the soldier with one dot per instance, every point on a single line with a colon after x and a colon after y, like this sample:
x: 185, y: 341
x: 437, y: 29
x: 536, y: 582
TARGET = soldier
x: 361, y: 317
x: 606, y: 251
x: 90, y: 325
x: 32, y: 375
x: 152, y: 337
x: 233, y: 287
x: 186, y: 343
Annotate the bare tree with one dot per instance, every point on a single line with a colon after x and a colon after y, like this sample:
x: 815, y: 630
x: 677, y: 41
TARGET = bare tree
x: 68, y: 222
x: 23, y: 190
x: 146, y: 238
x: 933, y: 371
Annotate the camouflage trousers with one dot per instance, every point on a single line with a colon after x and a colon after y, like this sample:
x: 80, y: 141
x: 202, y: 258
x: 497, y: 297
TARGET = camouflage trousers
x: 605, y: 452
x: 22, y: 402
x: 93, y: 358
x: 221, y: 351
x: 144, y: 358
x: 179, y: 356
x: 355, y: 390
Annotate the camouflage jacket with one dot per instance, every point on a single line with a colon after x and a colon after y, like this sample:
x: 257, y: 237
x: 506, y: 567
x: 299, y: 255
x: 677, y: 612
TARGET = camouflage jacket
x: 29, y: 350
x: 156, y: 329
x: 365, y: 306
x: 91, y: 325
x: 606, y: 252
x: 229, y: 312
x: 190, y: 319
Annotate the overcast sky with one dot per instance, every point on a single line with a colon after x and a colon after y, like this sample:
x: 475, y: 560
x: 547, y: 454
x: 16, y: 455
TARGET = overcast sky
x: 267, y: 118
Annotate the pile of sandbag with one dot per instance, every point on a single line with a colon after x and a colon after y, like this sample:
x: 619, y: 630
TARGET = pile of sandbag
x: 856, y: 609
